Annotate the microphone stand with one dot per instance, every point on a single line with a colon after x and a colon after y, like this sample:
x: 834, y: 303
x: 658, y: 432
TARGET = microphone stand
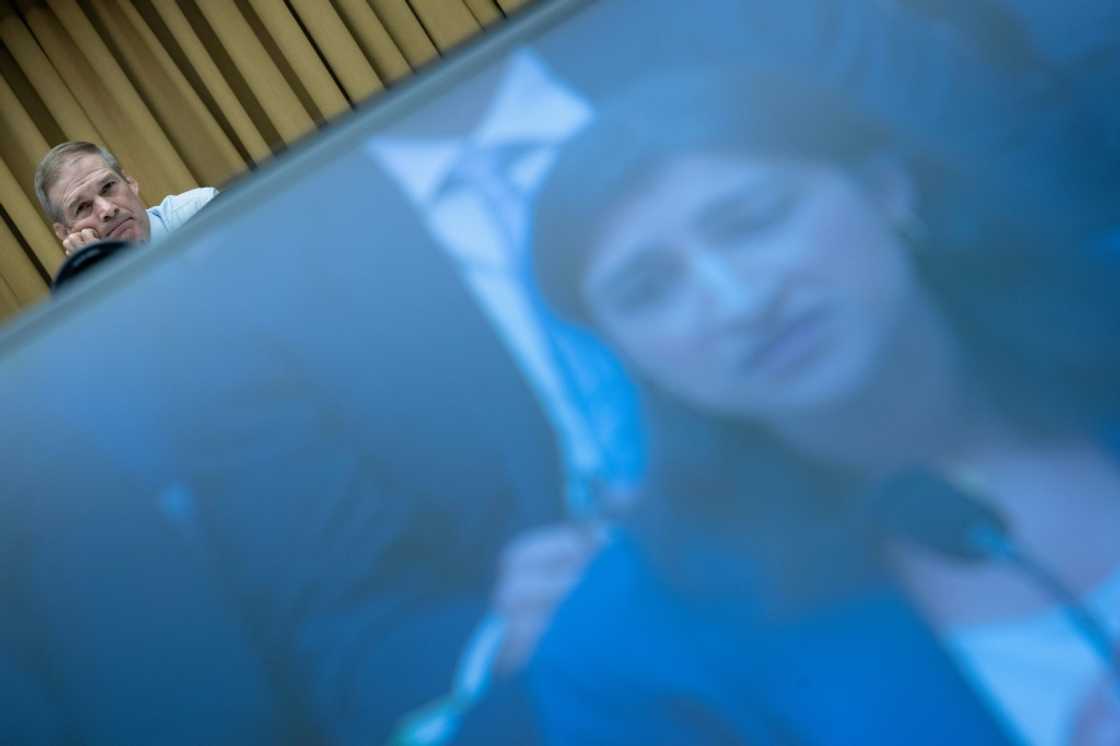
x: 939, y: 515
x: 1000, y: 548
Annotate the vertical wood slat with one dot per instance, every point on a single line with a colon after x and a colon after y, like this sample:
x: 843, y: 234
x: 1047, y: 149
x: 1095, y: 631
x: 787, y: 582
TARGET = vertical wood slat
x: 406, y: 30
x: 210, y: 155
x: 512, y: 6
x: 19, y: 275
x: 335, y: 42
x: 216, y: 84
x: 301, y: 56
x: 9, y: 303
x: 115, y: 84
x: 388, y: 60
x: 25, y: 214
x: 448, y: 22
x: 78, y: 76
x: 264, y: 78
x: 51, y: 89
x: 484, y: 11
x: 23, y: 142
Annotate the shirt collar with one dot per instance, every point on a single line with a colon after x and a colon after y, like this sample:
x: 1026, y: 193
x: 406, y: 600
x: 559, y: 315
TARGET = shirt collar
x: 530, y: 107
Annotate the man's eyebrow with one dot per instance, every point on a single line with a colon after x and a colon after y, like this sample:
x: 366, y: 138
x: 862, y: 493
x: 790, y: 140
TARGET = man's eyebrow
x: 72, y: 203
x: 77, y: 199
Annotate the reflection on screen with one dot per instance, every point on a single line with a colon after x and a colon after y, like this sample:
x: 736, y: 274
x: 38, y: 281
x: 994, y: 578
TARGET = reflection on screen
x: 685, y: 374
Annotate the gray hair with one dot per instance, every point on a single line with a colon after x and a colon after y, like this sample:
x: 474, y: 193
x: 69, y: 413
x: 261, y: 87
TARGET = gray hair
x: 47, y: 172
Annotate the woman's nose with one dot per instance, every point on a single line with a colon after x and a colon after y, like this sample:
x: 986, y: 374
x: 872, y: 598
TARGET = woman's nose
x: 730, y: 295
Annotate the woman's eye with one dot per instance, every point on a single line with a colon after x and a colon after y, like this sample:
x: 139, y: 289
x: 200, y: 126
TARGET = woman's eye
x: 752, y: 220
x: 83, y: 208
x: 108, y: 187
x: 643, y: 289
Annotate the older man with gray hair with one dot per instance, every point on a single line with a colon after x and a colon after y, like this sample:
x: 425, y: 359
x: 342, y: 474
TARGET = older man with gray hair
x: 88, y: 197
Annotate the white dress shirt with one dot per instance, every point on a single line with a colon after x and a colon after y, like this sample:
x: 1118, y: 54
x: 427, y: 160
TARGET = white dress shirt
x: 177, y: 209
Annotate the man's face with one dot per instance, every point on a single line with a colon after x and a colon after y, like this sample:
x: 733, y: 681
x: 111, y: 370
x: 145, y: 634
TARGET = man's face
x: 90, y: 195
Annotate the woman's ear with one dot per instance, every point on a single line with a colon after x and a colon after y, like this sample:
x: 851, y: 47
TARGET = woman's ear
x: 892, y: 189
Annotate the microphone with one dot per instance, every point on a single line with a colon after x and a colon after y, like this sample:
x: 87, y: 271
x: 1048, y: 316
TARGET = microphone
x: 932, y: 512
x: 85, y: 258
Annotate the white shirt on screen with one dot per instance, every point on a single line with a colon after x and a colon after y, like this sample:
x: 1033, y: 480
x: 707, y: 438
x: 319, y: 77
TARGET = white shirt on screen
x: 1038, y: 672
x: 474, y: 190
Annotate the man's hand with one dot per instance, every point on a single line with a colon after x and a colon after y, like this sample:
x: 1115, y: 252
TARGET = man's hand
x: 77, y: 240
x: 538, y: 569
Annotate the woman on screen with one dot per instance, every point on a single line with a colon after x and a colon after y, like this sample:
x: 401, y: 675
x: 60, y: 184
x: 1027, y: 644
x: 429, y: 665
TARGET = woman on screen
x: 839, y: 345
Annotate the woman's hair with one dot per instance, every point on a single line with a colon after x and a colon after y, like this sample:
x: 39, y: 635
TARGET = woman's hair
x: 1037, y: 321
x: 665, y: 117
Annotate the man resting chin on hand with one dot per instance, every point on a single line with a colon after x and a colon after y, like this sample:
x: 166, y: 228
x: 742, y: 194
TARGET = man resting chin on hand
x: 88, y: 198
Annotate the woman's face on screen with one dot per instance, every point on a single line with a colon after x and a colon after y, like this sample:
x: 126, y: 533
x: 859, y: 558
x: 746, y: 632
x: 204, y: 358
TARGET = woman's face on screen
x: 753, y: 287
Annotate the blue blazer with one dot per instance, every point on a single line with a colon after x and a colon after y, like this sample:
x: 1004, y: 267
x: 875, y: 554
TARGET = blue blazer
x: 631, y: 661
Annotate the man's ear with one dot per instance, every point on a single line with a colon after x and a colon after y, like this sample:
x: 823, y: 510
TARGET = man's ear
x: 892, y: 188
x: 60, y: 231
x: 133, y: 185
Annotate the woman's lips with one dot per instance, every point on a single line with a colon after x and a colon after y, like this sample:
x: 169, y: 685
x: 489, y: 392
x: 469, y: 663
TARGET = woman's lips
x: 789, y: 344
